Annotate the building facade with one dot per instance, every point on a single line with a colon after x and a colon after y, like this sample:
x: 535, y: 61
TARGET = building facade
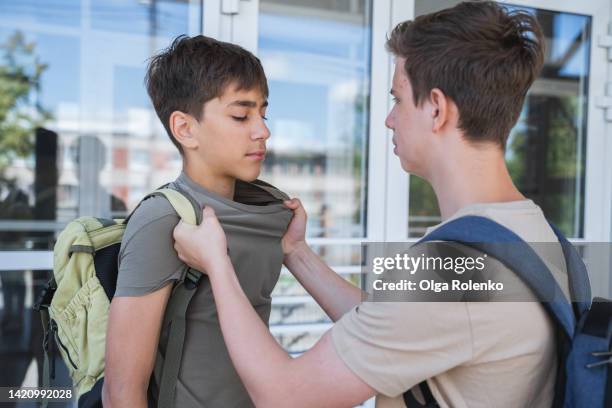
x: 78, y: 135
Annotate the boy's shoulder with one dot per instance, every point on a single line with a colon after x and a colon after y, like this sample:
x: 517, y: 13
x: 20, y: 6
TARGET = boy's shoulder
x: 147, y: 259
x: 155, y: 214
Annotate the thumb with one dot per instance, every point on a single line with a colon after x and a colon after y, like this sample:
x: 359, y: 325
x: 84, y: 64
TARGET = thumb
x: 179, y: 229
x: 208, y: 211
x: 292, y: 204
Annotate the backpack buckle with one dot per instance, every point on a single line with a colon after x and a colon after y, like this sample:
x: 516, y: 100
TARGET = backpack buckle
x: 607, y: 353
x: 192, y: 279
x: 44, y: 300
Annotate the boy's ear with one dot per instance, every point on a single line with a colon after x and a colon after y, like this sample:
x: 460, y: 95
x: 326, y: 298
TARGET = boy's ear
x: 442, y: 109
x: 182, y: 126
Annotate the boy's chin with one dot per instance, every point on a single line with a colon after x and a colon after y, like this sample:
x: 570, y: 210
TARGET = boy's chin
x: 249, y: 176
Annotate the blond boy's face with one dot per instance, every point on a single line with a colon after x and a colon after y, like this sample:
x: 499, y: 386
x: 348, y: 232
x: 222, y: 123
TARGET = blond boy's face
x: 232, y: 134
x: 411, y: 124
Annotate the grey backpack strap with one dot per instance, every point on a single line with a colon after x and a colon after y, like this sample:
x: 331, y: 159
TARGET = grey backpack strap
x: 167, y: 367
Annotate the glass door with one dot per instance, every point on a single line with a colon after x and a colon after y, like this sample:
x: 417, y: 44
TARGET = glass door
x: 78, y: 136
x: 317, y: 57
x: 329, y: 80
x: 556, y: 151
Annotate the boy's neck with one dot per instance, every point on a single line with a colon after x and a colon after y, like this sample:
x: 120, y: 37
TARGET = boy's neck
x: 473, y: 176
x: 221, y: 185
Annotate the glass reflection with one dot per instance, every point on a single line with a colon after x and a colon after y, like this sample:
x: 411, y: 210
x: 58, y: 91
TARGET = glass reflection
x: 78, y: 136
x: 317, y: 59
x: 546, y: 149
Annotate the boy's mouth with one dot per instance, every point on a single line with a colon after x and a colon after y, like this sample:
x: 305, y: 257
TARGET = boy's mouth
x: 257, y: 155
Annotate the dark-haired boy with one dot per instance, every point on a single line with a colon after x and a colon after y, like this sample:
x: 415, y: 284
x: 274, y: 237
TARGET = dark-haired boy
x: 211, y: 97
x: 461, y: 76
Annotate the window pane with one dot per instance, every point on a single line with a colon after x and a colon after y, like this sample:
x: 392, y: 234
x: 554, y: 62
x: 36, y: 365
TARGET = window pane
x: 78, y: 135
x: 317, y: 59
x: 546, y: 148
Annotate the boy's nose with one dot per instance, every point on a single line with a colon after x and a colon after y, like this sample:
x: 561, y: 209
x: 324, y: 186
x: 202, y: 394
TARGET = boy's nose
x: 388, y: 122
x: 261, y: 132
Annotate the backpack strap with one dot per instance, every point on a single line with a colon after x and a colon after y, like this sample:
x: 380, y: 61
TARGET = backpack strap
x: 42, y: 306
x: 167, y: 366
x: 411, y: 401
x: 492, y: 238
x: 579, y: 284
x: 183, y: 203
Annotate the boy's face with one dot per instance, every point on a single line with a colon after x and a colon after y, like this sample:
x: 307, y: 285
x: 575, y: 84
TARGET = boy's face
x: 232, y: 134
x: 411, y: 125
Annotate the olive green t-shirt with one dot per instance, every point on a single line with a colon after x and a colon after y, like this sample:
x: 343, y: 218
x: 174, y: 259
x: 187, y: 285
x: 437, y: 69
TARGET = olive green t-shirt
x: 254, y: 225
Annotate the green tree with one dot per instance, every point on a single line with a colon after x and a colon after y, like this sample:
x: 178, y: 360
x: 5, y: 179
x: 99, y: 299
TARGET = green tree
x: 20, y: 112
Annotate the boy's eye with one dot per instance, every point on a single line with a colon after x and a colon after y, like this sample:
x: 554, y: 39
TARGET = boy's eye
x: 264, y: 117
x: 239, y: 118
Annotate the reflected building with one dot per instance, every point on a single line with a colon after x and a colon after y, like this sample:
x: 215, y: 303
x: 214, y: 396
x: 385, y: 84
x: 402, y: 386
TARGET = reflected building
x: 110, y: 150
x: 546, y: 150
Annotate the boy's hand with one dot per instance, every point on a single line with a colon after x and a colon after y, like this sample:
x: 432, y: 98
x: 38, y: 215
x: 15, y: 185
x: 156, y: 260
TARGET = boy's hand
x: 296, y: 232
x: 202, y: 247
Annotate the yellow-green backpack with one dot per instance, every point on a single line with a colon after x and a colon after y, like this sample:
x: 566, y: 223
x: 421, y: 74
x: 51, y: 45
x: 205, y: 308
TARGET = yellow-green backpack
x: 75, y: 304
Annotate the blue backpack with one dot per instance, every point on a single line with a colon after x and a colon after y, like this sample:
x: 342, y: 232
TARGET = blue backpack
x: 584, y: 329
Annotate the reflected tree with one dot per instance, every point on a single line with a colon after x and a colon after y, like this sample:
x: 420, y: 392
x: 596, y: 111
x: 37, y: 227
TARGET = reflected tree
x: 20, y: 110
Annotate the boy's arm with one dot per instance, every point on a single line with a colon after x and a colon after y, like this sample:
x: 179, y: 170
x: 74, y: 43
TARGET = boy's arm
x: 134, y: 325
x: 147, y: 269
x: 317, y: 378
x: 273, y: 379
x: 334, y: 294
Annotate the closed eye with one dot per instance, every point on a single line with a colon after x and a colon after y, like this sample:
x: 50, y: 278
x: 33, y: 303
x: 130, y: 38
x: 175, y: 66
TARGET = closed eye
x: 239, y: 118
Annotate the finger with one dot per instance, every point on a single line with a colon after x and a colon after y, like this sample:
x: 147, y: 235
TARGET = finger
x: 297, y: 202
x: 292, y: 204
x: 299, y: 209
x: 177, y: 230
x: 177, y: 249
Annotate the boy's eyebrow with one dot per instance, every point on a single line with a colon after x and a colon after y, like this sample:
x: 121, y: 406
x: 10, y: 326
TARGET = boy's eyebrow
x: 392, y: 91
x: 247, y: 104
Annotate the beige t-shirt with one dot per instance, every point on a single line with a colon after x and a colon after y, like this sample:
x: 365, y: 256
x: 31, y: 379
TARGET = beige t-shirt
x: 473, y: 354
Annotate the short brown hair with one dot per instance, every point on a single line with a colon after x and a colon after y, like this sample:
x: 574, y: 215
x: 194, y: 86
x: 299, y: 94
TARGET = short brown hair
x: 194, y: 70
x: 481, y: 55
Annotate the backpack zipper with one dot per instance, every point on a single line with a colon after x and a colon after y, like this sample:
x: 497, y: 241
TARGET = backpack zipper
x: 58, y: 341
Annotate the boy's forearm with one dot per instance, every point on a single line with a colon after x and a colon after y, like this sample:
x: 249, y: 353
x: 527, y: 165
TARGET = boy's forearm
x: 333, y: 293
x: 123, y: 397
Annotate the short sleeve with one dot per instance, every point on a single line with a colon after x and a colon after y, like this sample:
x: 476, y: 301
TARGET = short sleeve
x: 147, y: 259
x: 393, y: 346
